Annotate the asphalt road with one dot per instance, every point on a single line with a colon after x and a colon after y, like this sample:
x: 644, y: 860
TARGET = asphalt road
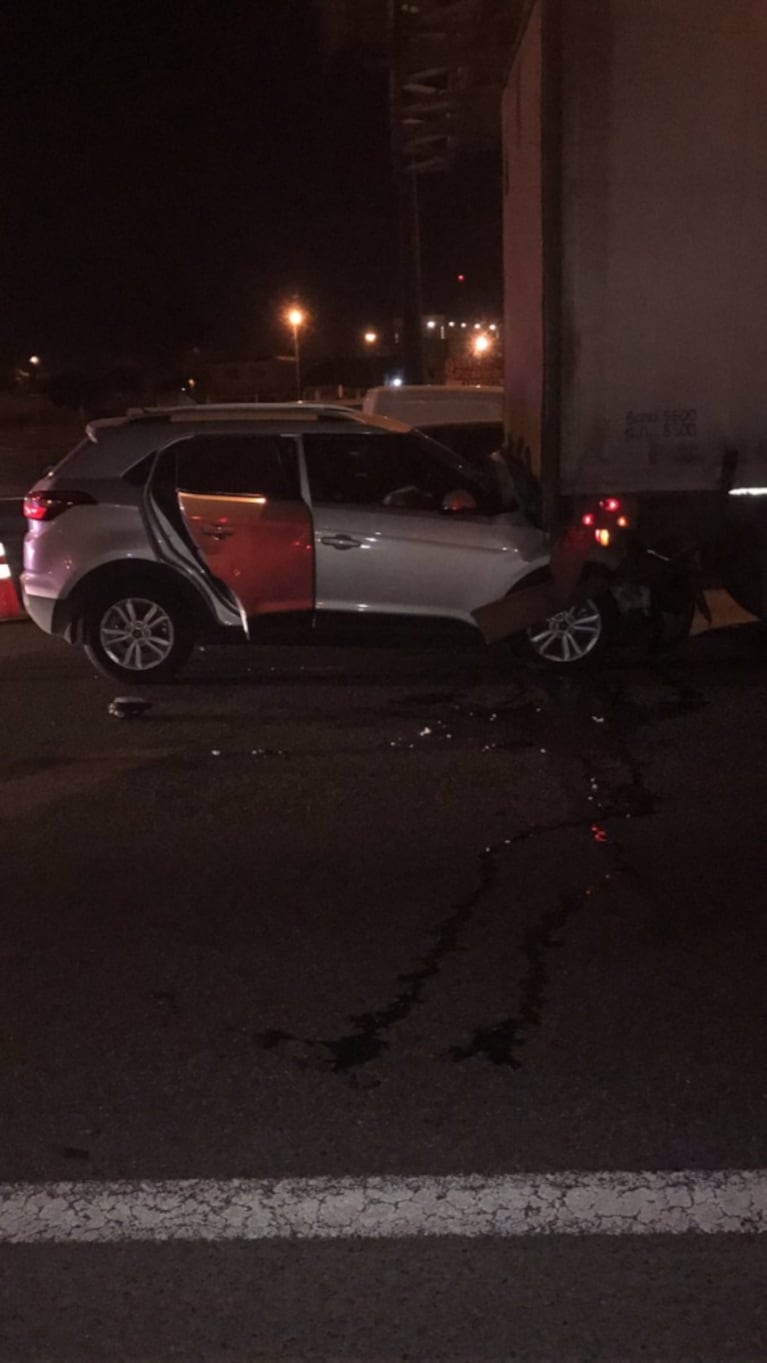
x: 346, y: 913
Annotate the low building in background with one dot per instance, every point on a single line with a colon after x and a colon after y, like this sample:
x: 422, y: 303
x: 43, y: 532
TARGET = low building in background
x: 267, y: 378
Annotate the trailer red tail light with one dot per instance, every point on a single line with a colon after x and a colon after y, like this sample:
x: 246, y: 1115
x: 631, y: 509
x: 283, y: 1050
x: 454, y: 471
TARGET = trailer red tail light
x: 604, y: 521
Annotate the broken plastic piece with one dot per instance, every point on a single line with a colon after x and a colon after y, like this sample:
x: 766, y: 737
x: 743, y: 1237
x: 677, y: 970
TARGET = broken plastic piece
x: 129, y: 707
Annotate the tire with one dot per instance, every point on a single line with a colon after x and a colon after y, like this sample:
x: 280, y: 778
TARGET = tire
x: 573, y: 638
x: 140, y: 634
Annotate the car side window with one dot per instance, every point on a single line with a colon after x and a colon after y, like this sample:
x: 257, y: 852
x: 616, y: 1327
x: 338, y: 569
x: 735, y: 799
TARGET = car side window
x: 365, y: 469
x: 239, y: 465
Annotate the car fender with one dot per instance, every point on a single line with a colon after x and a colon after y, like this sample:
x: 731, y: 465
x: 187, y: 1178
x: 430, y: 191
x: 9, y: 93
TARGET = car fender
x: 547, y: 589
x: 70, y: 612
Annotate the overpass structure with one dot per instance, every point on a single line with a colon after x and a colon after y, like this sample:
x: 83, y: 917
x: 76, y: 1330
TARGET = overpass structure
x: 447, y: 62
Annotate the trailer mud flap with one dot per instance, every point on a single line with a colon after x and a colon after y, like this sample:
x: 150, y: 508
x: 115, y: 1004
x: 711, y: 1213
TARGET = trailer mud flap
x: 721, y: 612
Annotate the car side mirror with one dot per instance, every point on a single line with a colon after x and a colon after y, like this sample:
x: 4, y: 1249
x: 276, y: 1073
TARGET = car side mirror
x: 458, y: 501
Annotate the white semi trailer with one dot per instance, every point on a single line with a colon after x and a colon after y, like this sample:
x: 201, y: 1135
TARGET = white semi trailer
x: 635, y: 240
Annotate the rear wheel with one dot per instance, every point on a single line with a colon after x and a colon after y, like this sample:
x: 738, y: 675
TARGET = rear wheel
x: 138, y: 636
x: 572, y: 637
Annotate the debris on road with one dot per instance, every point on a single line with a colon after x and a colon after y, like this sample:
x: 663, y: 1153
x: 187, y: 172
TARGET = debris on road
x: 129, y: 707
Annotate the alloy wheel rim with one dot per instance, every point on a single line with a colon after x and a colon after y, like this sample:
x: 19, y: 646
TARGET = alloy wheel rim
x: 137, y: 634
x: 568, y: 636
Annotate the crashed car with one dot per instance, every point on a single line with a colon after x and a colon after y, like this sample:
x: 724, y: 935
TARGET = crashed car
x: 258, y: 522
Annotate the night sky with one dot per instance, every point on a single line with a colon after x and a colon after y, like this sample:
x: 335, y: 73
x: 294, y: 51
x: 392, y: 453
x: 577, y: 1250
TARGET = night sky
x: 170, y: 177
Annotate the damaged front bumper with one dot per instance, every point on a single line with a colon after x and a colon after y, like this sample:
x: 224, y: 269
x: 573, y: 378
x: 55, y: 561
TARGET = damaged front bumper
x: 574, y: 575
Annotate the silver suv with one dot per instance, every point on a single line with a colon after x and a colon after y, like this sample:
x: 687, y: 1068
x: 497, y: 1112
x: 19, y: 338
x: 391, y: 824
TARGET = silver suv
x: 166, y: 526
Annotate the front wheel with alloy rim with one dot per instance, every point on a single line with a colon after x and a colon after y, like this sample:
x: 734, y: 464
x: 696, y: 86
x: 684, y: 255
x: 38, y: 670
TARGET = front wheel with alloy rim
x: 138, y: 636
x: 571, y: 637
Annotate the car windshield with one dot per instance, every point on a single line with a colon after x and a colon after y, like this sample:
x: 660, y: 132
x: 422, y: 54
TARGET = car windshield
x: 471, y: 441
x: 451, y: 458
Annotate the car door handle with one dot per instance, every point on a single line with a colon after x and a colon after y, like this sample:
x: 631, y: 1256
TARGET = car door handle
x: 340, y: 541
x: 218, y: 532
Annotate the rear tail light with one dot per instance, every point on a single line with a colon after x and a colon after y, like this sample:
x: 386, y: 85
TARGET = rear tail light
x: 603, y: 518
x: 46, y: 506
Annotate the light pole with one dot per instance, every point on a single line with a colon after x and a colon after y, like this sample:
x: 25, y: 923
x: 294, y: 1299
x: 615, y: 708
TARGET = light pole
x: 370, y: 339
x: 296, y: 319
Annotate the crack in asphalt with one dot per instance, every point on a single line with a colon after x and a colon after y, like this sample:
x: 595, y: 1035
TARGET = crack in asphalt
x: 366, y: 1042
x: 501, y: 1042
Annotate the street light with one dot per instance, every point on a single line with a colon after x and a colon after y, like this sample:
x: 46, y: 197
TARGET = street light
x: 370, y: 337
x: 35, y: 360
x: 481, y: 344
x: 295, y: 318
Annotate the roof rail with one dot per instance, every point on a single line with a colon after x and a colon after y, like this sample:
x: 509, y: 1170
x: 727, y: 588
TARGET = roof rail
x: 246, y: 411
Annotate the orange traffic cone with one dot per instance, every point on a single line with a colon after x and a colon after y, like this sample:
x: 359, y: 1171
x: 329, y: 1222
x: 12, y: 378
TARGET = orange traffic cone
x: 10, y: 605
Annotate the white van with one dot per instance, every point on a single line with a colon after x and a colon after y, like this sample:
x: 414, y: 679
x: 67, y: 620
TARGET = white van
x: 429, y: 405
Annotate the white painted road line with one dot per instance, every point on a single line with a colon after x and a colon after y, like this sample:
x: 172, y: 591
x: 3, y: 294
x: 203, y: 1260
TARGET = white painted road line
x: 712, y: 1203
